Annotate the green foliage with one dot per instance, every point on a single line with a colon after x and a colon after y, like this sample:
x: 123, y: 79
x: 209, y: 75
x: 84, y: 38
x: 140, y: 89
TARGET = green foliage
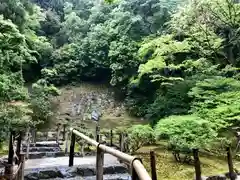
x: 165, y: 60
x: 14, y: 52
x: 123, y: 59
x: 217, y: 100
x: 140, y: 135
x: 11, y: 88
x: 212, y: 27
x: 186, y: 132
x: 172, y: 99
x: 21, y: 50
x: 14, y: 116
x: 99, y: 41
x: 41, y: 102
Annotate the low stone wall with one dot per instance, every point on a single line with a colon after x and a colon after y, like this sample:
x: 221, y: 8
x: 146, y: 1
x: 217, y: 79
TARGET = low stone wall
x: 68, y: 172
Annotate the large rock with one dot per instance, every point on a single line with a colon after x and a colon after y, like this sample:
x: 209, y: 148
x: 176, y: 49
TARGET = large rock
x: 76, y: 171
x: 31, y: 176
x: 218, y: 177
x: 50, y: 174
x: 115, y: 170
x: 86, y: 171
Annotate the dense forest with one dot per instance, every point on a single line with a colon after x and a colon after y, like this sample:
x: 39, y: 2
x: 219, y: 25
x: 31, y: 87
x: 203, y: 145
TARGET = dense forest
x: 173, y: 62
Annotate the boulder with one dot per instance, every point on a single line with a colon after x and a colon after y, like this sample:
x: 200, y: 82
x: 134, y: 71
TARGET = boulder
x: 117, y: 169
x: 218, y: 177
x: 85, y: 171
x: 31, y: 176
x: 53, y: 173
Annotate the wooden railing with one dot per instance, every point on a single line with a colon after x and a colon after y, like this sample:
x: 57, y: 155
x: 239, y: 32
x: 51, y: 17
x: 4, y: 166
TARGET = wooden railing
x: 19, y: 172
x: 137, y: 169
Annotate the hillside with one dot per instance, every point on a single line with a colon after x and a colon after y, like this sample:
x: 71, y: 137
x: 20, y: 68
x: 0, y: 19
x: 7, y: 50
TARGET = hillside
x: 76, y: 104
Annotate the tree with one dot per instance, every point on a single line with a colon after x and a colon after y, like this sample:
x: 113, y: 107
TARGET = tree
x: 213, y: 28
x: 42, y: 104
x: 216, y: 99
x: 14, y: 50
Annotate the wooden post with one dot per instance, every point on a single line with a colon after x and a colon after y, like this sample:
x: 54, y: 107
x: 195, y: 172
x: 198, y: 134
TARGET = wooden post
x: 122, y: 142
x: 111, y: 138
x: 11, y: 151
x: 34, y: 134
x: 99, y: 138
x: 153, y: 165
x: 66, y: 144
x: 100, y: 163
x: 21, y: 170
x: 82, y: 149
x: 72, y: 146
x: 64, y: 132
x: 46, y: 135
x: 28, y: 143
x: 57, y: 137
x: 18, y: 151
x: 97, y: 133
x: 126, y: 147
x: 8, y: 168
x: 197, y: 164
x: 230, y: 164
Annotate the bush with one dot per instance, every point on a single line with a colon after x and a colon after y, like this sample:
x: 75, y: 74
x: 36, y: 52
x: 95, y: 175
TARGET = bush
x: 140, y: 135
x: 186, y: 132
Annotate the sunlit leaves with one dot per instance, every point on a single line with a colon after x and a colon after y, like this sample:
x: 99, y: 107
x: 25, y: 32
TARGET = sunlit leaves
x: 186, y: 132
x: 140, y: 135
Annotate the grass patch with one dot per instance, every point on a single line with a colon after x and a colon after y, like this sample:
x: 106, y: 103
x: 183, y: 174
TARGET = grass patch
x: 4, y: 149
x: 112, y: 122
x: 168, y: 168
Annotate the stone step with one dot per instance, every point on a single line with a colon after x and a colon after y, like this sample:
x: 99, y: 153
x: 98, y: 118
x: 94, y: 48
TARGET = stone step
x: 44, y: 144
x: 38, y: 155
x: 86, y: 171
x: 42, y: 149
x: 105, y: 177
x: 47, y: 139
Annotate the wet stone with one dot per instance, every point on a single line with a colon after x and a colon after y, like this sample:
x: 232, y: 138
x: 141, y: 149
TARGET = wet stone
x: 86, y: 171
x: 50, y: 174
x: 32, y: 176
x: 115, y: 170
x: 219, y: 177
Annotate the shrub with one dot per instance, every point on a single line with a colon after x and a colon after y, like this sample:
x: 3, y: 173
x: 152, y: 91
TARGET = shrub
x: 140, y: 135
x: 186, y: 132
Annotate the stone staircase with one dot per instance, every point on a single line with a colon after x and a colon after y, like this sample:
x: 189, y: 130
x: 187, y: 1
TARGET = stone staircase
x: 43, y: 149
x: 48, y: 161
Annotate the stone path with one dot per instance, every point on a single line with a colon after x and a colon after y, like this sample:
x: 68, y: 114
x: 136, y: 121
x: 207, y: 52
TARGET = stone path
x: 47, y: 161
x: 63, y: 161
